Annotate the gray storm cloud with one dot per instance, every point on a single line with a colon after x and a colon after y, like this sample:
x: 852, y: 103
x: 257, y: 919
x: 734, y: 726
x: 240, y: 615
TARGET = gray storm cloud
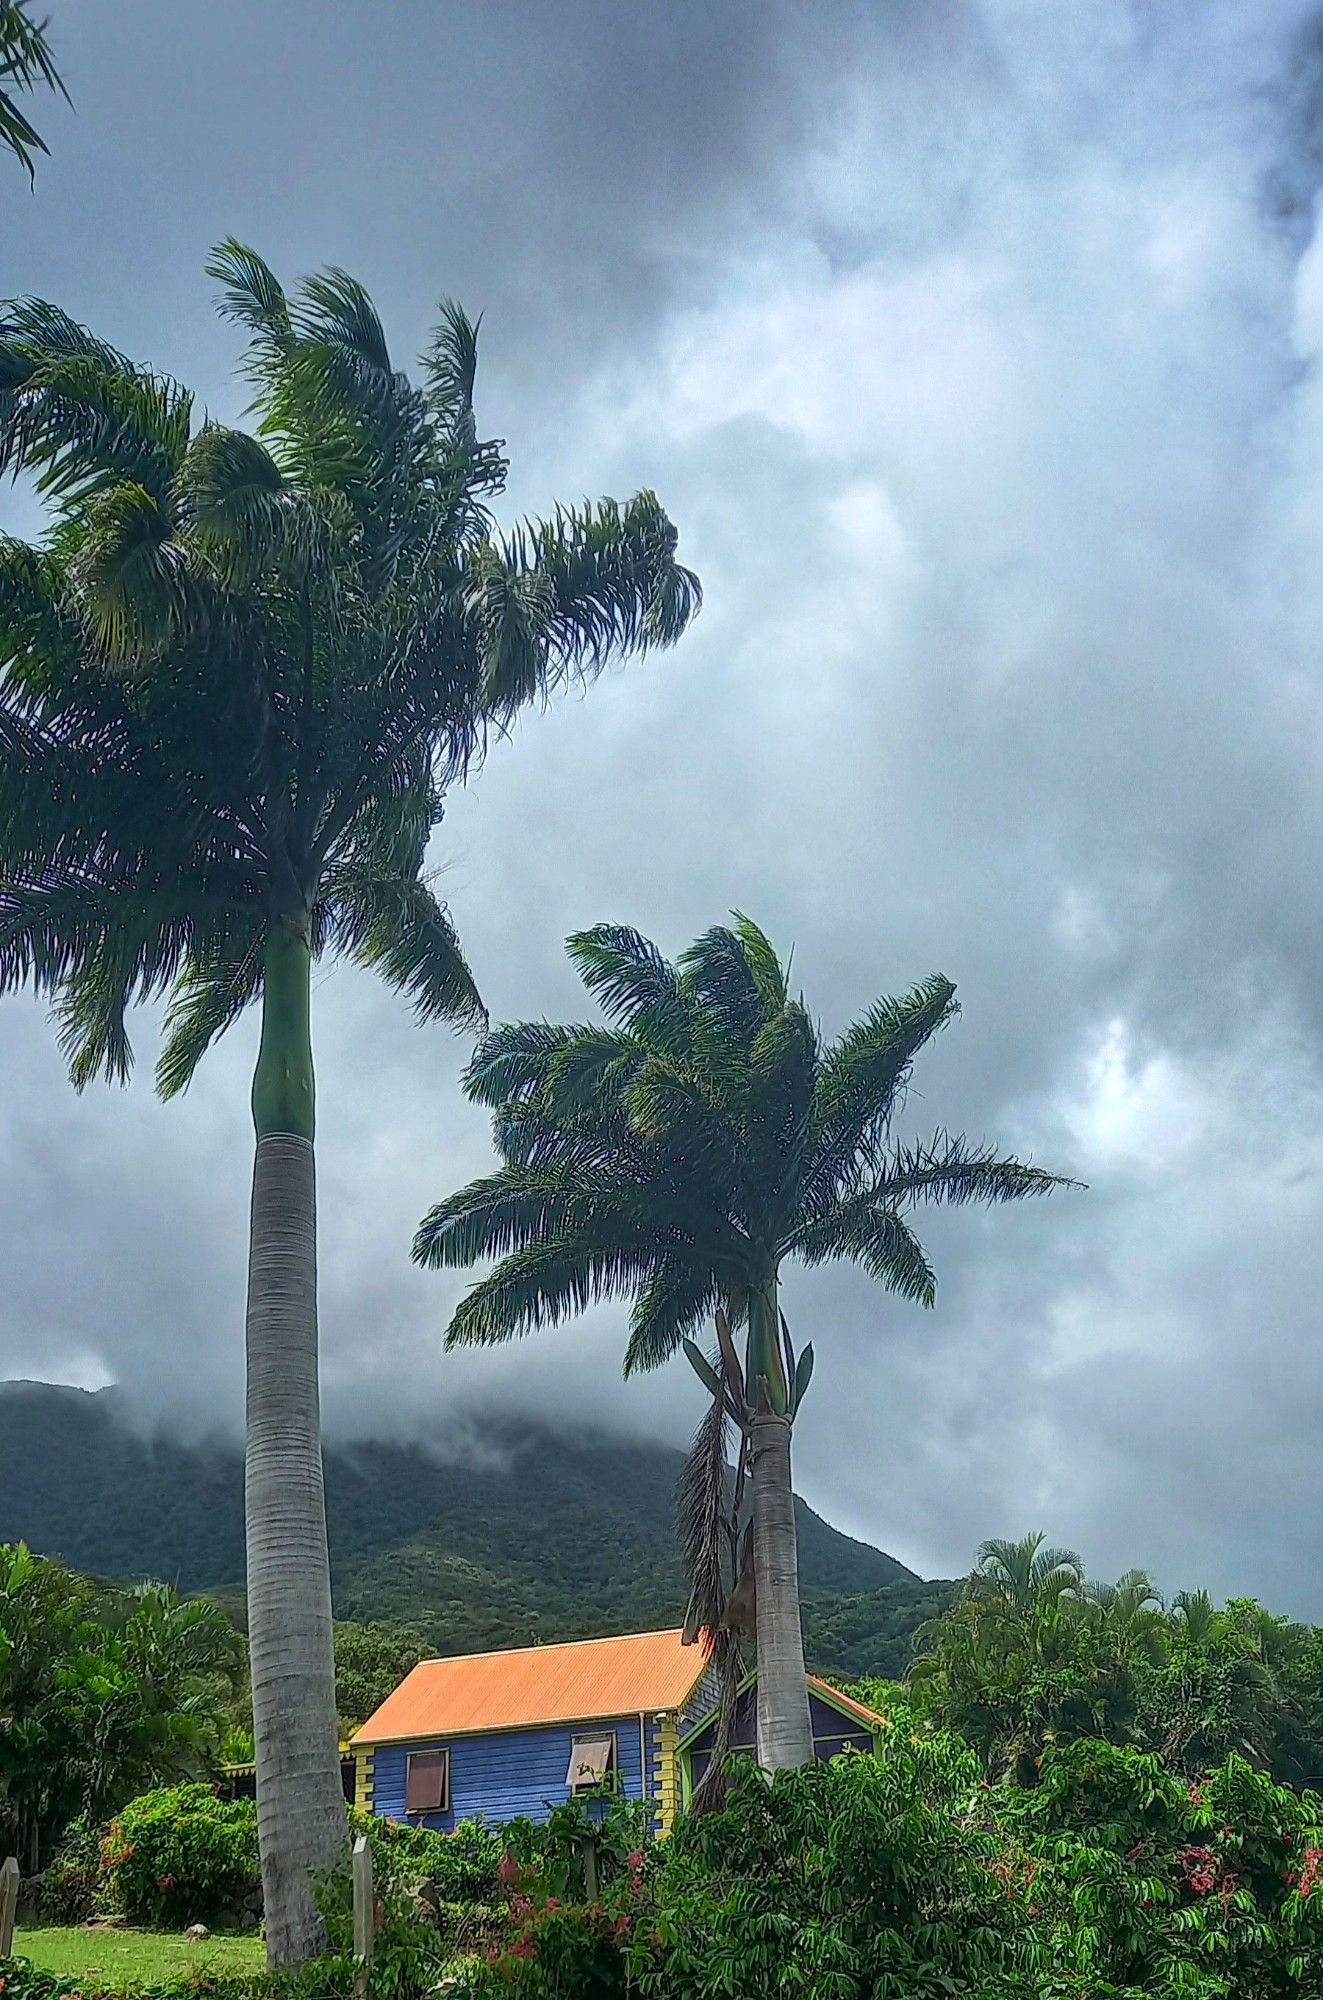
x: 975, y: 354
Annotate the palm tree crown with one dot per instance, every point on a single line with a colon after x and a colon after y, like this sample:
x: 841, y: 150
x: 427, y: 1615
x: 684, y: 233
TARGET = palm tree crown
x: 242, y: 670
x: 681, y: 1154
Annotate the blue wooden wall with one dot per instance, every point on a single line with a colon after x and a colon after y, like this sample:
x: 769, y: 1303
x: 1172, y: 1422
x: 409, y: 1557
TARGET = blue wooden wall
x: 511, y: 1773
x: 833, y: 1732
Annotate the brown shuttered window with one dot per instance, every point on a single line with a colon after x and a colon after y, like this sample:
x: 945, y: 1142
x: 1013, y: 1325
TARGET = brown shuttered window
x: 427, y: 1781
x: 592, y: 1762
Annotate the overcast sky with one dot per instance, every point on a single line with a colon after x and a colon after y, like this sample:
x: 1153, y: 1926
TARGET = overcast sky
x: 973, y: 349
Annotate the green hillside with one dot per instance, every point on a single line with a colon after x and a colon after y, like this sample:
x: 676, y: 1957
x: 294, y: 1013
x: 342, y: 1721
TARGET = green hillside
x: 533, y: 1536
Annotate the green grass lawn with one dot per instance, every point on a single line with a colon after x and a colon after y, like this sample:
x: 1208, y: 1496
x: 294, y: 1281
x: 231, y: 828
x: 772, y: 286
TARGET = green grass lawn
x: 136, y: 1957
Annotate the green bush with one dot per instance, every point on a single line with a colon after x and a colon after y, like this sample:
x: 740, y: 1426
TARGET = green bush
x: 1211, y: 1891
x: 70, y: 1889
x: 859, y: 1880
x: 182, y: 1856
x: 21, y: 1980
x: 445, y: 1868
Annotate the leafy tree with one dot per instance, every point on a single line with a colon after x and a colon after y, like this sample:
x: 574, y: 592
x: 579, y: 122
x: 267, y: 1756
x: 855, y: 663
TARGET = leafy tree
x: 154, y: 1696
x: 101, y: 1698
x: 43, y: 1626
x: 371, y: 1660
x: 682, y: 1155
x: 26, y: 62
x: 237, y: 680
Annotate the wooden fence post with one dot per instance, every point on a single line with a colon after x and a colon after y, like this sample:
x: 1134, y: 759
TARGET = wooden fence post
x: 364, y: 1926
x: 8, y: 1905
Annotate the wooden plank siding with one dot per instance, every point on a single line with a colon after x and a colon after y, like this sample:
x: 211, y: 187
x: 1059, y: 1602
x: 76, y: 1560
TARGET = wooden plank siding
x: 838, y: 1723
x: 511, y: 1772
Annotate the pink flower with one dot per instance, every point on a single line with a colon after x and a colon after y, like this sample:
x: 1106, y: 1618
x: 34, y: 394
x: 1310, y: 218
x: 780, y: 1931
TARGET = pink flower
x: 634, y: 1862
x: 1309, y: 1874
x: 622, y: 1926
x: 523, y: 1947
x: 553, y: 1902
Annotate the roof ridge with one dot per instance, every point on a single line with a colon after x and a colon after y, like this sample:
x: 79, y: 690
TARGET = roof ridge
x: 553, y: 1645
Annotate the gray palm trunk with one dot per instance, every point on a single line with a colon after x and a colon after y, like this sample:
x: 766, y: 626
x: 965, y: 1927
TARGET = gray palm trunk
x: 300, y: 1801
x: 785, y: 1734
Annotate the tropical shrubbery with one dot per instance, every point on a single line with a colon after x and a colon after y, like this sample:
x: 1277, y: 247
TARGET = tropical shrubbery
x: 1033, y: 1653
x: 182, y: 1856
x: 101, y: 1695
x: 912, y: 1878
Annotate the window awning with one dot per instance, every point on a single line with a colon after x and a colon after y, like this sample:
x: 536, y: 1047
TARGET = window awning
x: 591, y: 1758
x: 425, y: 1782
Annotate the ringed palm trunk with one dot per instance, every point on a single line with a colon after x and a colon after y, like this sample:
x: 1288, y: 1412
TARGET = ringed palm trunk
x: 300, y: 1802
x: 785, y: 1734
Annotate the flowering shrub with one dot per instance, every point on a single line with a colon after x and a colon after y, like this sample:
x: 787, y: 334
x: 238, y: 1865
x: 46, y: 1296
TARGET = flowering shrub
x: 181, y: 1856
x: 572, y: 1888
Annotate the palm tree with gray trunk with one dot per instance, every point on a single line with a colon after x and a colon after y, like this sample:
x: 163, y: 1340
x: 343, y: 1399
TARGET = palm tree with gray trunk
x: 682, y: 1155
x: 236, y: 679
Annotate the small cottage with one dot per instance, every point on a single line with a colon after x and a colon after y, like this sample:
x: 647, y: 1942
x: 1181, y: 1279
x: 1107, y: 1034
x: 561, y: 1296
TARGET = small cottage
x: 838, y: 1721
x: 499, y: 1735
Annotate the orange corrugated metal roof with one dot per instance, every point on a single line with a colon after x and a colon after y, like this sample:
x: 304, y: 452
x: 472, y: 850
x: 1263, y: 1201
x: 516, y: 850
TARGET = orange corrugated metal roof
x: 475, y: 1692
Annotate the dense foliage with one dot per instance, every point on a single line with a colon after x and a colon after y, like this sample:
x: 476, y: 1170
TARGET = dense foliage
x: 1034, y: 1654
x: 905, y: 1878
x: 182, y: 1855
x: 370, y: 1662
x: 101, y: 1695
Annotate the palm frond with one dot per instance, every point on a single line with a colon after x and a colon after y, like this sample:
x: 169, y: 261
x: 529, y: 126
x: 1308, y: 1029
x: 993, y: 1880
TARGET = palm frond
x: 515, y: 1059
x: 951, y: 1169
x: 730, y: 983
x: 130, y: 577
x: 518, y: 1206
x: 778, y: 1109
x: 26, y: 62
x: 539, y: 1286
x: 594, y: 1072
x: 862, y: 1078
x: 563, y: 595
x: 395, y: 925
x: 78, y: 415
x: 633, y: 984
x: 208, y: 997
x: 862, y: 1231
x: 703, y: 1522
x: 251, y: 292
x: 239, y: 511
x: 672, y: 1302
x: 765, y: 967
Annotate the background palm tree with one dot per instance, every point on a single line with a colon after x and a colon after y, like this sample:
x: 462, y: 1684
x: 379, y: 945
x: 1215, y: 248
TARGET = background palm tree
x: 237, y: 679
x: 1025, y: 1575
x: 25, y: 63
x: 681, y: 1156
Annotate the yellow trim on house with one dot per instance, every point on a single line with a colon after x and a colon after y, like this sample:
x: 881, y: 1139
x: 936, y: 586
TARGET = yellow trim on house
x: 363, y: 1779
x: 667, y: 1774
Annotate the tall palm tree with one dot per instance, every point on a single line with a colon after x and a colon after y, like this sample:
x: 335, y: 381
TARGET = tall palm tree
x: 235, y: 682
x: 26, y: 62
x: 681, y: 1156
